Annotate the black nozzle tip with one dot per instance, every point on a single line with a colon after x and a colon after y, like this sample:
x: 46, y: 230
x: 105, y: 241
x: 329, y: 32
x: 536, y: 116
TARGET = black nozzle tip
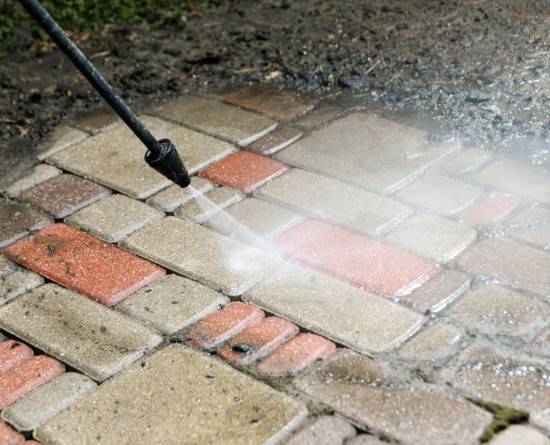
x: 167, y: 162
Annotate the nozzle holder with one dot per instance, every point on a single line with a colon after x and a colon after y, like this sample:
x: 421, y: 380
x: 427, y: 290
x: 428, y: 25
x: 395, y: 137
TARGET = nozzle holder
x: 167, y: 162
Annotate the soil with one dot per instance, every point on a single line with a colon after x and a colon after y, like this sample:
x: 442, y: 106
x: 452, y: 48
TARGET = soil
x: 480, y: 67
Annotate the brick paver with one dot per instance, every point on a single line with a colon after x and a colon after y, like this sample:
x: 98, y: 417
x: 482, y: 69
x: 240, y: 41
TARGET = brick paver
x: 516, y: 434
x: 224, y: 324
x: 369, y: 152
x: 201, y: 254
x: 531, y: 226
x: 17, y: 220
x: 439, y: 194
x: 9, y: 436
x: 6, y: 266
x: 126, y: 171
x: 39, y: 174
x: 12, y: 353
x: 174, y: 196
x: 84, y: 263
x: 18, y: 283
x: 87, y: 336
x: 491, y: 210
x: 366, y: 439
x: 20, y: 380
x: 411, y: 413
x: 31, y: 411
x: 319, y: 116
x: 432, y: 237
x: 177, y: 394
x: 465, y: 161
x: 114, y: 217
x: 172, y: 303
x: 358, y: 260
x: 327, y: 430
x: 334, y: 202
x: 244, y: 171
x: 62, y: 137
x: 258, y: 341
x: 219, y: 119
x: 494, y: 309
x: 214, y: 201
x: 63, y: 195
x: 275, y: 141
x: 334, y: 309
x: 295, y: 355
x: 433, y: 342
x: 96, y: 120
x: 510, y: 263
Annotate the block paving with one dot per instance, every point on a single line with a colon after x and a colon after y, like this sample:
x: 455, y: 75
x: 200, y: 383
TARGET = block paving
x: 376, y: 287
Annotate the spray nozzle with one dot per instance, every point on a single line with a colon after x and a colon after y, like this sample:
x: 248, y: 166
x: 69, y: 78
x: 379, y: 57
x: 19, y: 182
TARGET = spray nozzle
x: 167, y: 162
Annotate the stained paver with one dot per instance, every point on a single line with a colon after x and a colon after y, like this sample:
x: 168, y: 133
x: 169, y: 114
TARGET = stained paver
x: 367, y: 151
x: 491, y: 210
x: 125, y: 171
x: 258, y: 340
x: 31, y: 411
x: 363, y: 262
x: 531, y: 225
x: 319, y: 116
x: 276, y: 102
x: 63, y: 195
x: 485, y: 371
x: 9, y: 436
x: 224, y: 324
x: 218, y: 119
x: 334, y: 202
x: 62, y: 137
x: 18, y: 283
x: 202, y: 254
x: 12, y: 353
x: 87, y: 336
x: 440, y: 291
x: 433, y: 342
x: 275, y: 141
x: 174, y: 196
x: 510, y: 263
x: 114, y: 217
x: 96, y: 120
x: 328, y: 430
x: 244, y: 171
x: 213, y: 202
x: 439, y: 194
x: 432, y: 237
x: 84, y: 263
x: 519, y: 178
x: 39, y: 174
x: 188, y: 395
x: 6, y: 266
x: 295, y: 355
x: 17, y: 220
x: 516, y: 434
x: 493, y: 309
x: 334, y: 309
x: 20, y: 380
x: 172, y: 303
x: 411, y: 413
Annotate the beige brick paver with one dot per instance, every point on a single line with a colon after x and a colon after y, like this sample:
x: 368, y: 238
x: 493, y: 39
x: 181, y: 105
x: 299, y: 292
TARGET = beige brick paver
x: 18, y: 283
x: 39, y: 174
x: 433, y: 342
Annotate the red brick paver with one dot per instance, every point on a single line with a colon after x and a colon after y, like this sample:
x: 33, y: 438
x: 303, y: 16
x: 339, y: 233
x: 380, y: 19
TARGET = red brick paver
x: 356, y: 259
x: 26, y: 377
x: 491, y: 210
x: 244, y: 171
x: 295, y: 355
x: 224, y: 324
x: 9, y: 436
x: 84, y: 263
x: 12, y: 353
x: 258, y: 340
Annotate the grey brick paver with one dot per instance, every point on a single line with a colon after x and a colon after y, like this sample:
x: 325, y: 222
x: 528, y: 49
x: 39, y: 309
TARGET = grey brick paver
x: 18, y: 283
x: 319, y: 117
x: 62, y: 137
x: 6, y: 266
x: 367, y: 151
x: 172, y: 303
x: 114, y: 158
x: 39, y: 174
x: 531, y: 226
x: 199, y: 210
x: 372, y: 395
x: 433, y: 342
x: 335, y: 202
x: 334, y: 309
x: 519, y: 434
x: 328, y: 430
x: 432, y: 237
x: 218, y: 119
x: 177, y: 395
x: 174, y: 196
x: 78, y: 331
x: 45, y: 402
x: 114, y: 217
x: 202, y: 254
x: 17, y: 220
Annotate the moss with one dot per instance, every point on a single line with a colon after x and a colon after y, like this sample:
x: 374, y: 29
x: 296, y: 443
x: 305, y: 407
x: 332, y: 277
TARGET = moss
x: 503, y: 417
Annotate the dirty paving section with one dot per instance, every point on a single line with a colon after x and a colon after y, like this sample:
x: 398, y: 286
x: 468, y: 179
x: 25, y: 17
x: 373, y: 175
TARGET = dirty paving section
x: 332, y: 274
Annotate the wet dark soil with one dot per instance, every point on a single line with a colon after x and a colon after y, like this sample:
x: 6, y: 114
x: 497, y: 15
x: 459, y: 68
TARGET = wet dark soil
x: 481, y: 67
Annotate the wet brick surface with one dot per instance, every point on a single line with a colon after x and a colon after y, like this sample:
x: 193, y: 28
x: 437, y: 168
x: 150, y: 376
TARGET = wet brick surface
x: 174, y: 196
x: 531, y: 225
x: 275, y: 141
x: 17, y: 220
x: 491, y: 210
x: 199, y: 210
x: 432, y: 343
x: 329, y: 430
x: 12, y: 353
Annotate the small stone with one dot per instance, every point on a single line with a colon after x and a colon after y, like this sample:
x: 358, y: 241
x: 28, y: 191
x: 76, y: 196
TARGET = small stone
x: 519, y: 434
x: 62, y: 137
x: 17, y: 220
x: 275, y: 141
x: 39, y: 174
x: 433, y: 342
x: 18, y: 283
x: 327, y: 430
x: 174, y: 196
x: 13, y: 353
x: 201, y: 208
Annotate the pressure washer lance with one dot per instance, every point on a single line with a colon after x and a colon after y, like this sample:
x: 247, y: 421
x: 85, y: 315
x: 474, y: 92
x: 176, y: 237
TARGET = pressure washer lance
x: 161, y: 155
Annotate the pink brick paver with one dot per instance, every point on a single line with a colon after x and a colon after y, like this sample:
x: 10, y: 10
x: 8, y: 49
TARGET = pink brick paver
x: 12, y: 353
x: 491, y: 210
x: 362, y: 262
x: 9, y: 436
x: 295, y: 355
x: 244, y: 171
x: 26, y: 377
x: 84, y: 263
x: 258, y: 341
x: 224, y: 324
